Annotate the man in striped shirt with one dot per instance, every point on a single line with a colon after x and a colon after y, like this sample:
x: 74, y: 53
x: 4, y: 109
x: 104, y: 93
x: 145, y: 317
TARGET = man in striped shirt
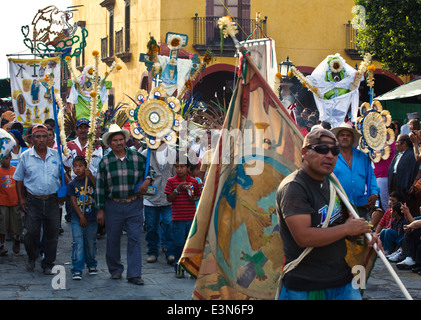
x: 119, y: 204
x: 182, y: 191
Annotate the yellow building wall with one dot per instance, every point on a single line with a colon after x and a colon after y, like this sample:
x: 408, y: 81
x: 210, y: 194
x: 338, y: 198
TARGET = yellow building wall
x: 145, y: 18
x: 305, y: 30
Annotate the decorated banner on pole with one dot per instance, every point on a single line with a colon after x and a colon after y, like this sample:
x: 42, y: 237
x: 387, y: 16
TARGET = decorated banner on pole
x: 32, y: 96
x: 234, y: 248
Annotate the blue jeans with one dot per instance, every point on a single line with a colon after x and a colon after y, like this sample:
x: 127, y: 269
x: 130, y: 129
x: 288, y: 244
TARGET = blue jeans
x: 346, y: 292
x: 84, y: 245
x: 156, y: 217
x: 130, y: 216
x: 390, y: 239
x: 46, y: 213
x: 180, y: 232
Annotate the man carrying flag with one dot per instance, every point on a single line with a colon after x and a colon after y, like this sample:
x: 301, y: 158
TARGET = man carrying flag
x: 314, y: 226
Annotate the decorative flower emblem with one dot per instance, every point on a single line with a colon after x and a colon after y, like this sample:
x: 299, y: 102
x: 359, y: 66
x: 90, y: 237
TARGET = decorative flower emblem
x: 175, y: 42
x: 336, y: 65
x: 375, y: 136
x: 155, y: 117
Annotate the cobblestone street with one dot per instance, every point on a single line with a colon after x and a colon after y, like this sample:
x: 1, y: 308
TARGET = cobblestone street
x: 159, y: 277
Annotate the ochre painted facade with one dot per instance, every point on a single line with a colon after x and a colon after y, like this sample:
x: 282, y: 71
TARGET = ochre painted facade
x: 305, y: 30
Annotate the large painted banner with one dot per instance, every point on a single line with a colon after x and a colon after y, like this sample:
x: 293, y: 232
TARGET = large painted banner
x: 31, y: 93
x: 234, y: 248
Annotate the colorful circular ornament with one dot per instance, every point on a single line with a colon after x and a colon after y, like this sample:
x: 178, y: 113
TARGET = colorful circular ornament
x: 157, y: 93
x: 374, y: 131
x: 174, y: 104
x: 153, y: 143
x: 155, y: 118
x: 136, y: 131
x: 171, y: 139
x: 131, y: 112
x: 141, y: 96
x: 178, y: 120
x: 375, y: 136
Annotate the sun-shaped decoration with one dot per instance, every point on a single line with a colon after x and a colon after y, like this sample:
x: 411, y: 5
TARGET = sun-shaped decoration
x: 376, y: 138
x: 155, y: 117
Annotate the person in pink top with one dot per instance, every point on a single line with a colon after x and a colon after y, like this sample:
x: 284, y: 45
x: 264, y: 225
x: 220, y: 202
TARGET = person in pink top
x: 380, y: 171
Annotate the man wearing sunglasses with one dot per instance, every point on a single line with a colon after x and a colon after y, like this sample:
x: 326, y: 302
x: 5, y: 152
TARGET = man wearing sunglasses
x: 302, y: 205
x: 354, y: 170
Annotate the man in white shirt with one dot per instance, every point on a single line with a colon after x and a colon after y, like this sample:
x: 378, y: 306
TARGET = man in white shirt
x: 37, y: 181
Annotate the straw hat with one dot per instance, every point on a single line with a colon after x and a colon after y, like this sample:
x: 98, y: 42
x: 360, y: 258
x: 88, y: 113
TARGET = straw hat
x: 347, y: 126
x: 114, y: 128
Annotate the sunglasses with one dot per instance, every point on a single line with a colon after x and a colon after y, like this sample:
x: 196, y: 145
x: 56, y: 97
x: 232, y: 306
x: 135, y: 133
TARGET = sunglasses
x: 324, y: 149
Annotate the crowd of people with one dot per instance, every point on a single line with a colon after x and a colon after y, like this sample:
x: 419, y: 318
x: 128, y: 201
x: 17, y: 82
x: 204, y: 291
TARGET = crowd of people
x: 115, y: 192
x: 385, y: 195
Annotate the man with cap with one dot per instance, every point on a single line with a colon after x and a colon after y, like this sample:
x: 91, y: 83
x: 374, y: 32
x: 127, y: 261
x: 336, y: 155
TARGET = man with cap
x: 78, y: 147
x: 119, y: 204
x: 354, y: 171
x: 37, y: 180
x: 303, y: 199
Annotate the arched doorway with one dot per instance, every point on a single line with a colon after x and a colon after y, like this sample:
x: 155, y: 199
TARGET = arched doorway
x: 216, y: 84
x: 383, y: 82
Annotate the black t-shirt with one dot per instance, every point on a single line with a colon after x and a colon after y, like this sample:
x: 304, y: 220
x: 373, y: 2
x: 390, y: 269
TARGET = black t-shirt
x: 324, y: 267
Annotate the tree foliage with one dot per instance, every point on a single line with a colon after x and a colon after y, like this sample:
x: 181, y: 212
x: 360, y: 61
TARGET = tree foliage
x: 392, y: 34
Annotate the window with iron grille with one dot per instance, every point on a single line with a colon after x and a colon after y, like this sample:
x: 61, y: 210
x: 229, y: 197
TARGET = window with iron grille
x: 104, y: 48
x: 119, y: 41
x: 127, y: 26
x: 122, y: 36
x: 351, y: 45
x: 107, y: 43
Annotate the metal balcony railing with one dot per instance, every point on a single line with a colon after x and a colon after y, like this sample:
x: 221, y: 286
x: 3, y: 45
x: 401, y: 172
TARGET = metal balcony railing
x: 206, y: 34
x: 351, y: 47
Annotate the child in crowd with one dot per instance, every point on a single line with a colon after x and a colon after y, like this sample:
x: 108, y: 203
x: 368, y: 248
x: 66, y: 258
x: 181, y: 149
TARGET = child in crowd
x: 11, y: 221
x: 386, y: 218
x: 182, y: 191
x: 194, y: 171
x: 83, y: 218
x: 392, y: 237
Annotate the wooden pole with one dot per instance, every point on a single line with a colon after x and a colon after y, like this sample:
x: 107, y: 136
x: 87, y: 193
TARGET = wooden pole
x: 379, y: 252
